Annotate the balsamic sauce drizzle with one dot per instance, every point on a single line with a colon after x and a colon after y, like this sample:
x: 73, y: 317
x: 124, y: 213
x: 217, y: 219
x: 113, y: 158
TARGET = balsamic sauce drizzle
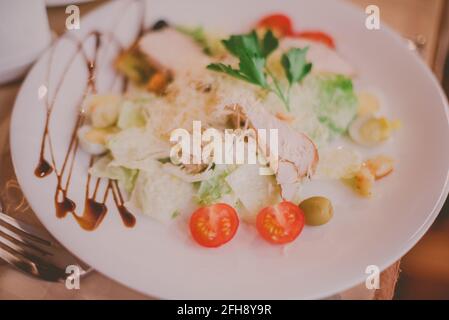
x: 94, y: 210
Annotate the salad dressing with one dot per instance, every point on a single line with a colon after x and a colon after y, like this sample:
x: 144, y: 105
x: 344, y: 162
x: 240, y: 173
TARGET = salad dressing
x: 94, y: 210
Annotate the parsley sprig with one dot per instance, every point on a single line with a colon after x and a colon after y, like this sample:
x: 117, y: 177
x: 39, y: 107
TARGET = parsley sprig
x: 253, y: 53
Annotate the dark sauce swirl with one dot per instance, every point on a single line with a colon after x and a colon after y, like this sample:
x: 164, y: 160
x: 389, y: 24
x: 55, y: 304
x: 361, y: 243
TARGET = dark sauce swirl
x: 43, y: 168
x: 95, y: 209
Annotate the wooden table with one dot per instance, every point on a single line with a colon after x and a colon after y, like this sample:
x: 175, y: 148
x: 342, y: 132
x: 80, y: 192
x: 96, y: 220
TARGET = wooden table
x: 409, y: 17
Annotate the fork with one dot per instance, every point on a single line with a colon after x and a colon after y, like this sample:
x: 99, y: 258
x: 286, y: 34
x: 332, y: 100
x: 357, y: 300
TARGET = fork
x: 30, y: 251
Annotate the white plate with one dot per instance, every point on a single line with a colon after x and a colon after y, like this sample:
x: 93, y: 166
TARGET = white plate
x: 163, y: 261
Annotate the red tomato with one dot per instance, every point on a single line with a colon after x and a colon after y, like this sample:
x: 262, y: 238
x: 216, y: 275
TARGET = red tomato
x: 317, y: 36
x: 279, y: 22
x: 214, y: 225
x: 281, y: 223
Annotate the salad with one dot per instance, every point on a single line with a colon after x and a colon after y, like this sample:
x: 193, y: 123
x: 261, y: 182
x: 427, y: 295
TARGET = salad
x: 273, y: 77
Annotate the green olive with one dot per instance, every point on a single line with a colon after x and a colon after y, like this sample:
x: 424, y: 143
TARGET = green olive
x: 317, y: 210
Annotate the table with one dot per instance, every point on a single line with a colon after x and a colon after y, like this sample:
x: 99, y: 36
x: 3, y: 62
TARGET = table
x: 410, y: 18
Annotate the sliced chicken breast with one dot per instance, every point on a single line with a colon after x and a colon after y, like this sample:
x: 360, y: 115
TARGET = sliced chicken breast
x: 297, y: 154
x: 168, y: 49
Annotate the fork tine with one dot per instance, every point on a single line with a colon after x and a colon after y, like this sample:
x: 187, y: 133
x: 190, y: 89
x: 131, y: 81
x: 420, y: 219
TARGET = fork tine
x: 29, y: 263
x: 14, y: 257
x: 25, y: 230
x: 18, y: 240
x: 30, y: 251
x: 14, y: 249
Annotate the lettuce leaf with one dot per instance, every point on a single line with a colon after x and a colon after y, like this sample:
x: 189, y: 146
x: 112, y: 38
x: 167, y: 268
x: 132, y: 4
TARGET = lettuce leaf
x: 134, y: 148
x: 210, y: 44
x: 254, y: 191
x: 212, y: 190
x: 336, y: 103
x: 131, y: 115
x: 104, y: 168
x: 161, y: 195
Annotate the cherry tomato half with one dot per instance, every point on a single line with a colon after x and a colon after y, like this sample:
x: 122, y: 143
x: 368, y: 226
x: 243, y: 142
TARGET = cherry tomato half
x: 214, y: 225
x: 317, y: 36
x: 281, y: 223
x: 279, y: 22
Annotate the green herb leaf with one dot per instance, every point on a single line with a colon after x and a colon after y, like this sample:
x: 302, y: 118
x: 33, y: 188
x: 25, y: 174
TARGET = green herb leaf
x: 253, y: 53
x: 252, y: 56
x: 220, y: 67
x: 242, y: 44
x: 295, y: 64
x: 269, y: 43
x: 250, y: 70
x: 253, y: 69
